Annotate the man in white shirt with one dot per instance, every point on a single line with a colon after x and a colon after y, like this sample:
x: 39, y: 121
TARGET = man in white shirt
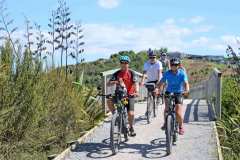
x: 152, y: 69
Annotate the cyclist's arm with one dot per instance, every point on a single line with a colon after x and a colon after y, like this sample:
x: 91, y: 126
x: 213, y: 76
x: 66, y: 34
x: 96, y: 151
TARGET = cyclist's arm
x: 113, y: 80
x: 143, y: 77
x: 168, y: 64
x: 186, y: 84
x: 160, y: 69
x: 161, y: 86
x: 136, y: 86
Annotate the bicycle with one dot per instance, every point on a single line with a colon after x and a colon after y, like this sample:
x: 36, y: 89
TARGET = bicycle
x: 151, y: 101
x: 119, y: 118
x: 171, y: 130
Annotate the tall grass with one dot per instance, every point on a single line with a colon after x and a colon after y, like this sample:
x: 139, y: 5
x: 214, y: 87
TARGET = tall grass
x: 40, y: 111
x: 229, y: 125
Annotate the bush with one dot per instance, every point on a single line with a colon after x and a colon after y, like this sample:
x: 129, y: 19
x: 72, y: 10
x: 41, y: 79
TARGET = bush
x: 229, y: 125
x: 40, y: 111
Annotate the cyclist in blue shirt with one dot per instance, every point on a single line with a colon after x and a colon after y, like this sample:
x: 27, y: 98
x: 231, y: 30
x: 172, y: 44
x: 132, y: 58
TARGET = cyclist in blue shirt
x: 176, y: 81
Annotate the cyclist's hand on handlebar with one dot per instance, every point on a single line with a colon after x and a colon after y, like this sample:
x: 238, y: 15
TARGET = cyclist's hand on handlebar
x: 141, y: 84
x: 156, y: 91
x: 135, y: 94
x: 121, y: 82
x: 186, y: 94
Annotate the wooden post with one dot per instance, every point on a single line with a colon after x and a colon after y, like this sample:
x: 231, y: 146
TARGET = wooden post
x: 219, y: 95
x: 104, y: 92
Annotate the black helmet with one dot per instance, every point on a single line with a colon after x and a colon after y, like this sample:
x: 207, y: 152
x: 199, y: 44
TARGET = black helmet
x: 175, y: 61
x: 151, y: 53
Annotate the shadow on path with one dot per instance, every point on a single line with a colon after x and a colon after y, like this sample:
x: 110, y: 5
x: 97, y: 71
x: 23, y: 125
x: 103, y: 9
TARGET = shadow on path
x: 201, y: 112
x: 154, y: 150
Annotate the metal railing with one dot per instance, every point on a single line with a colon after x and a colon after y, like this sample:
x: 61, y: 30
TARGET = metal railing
x: 110, y: 89
x: 211, y: 90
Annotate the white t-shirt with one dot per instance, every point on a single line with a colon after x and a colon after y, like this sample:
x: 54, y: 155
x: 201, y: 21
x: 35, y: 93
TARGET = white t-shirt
x: 152, y: 70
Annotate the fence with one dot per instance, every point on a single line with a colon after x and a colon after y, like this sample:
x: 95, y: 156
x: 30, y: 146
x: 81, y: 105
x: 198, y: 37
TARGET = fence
x: 110, y: 89
x: 211, y: 90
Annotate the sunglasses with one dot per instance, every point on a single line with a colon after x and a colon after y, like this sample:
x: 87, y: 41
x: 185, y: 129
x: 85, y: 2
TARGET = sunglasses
x: 124, y: 62
x: 152, y: 57
x: 174, y: 65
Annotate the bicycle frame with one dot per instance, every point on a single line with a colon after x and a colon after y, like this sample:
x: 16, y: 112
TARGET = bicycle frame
x: 151, y: 98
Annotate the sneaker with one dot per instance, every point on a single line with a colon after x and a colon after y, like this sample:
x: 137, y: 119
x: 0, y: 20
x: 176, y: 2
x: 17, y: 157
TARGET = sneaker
x: 146, y: 114
x: 181, y: 130
x: 131, y: 132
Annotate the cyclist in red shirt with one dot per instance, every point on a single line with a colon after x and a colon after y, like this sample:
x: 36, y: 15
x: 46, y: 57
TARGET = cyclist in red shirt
x: 126, y: 78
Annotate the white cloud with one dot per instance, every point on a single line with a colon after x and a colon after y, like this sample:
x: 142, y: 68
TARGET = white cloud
x: 102, y: 40
x: 204, y: 28
x: 108, y: 39
x: 197, y: 19
x: 108, y: 4
x: 112, y: 38
x: 193, y: 20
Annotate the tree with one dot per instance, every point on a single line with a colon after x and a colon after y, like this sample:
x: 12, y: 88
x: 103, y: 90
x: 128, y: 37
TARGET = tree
x: 52, y: 34
x: 77, y: 47
x: 63, y: 29
x: 40, y: 42
x: 235, y: 61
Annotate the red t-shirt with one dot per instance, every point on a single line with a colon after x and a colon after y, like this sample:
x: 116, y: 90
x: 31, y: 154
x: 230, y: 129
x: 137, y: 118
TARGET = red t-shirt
x: 129, y: 78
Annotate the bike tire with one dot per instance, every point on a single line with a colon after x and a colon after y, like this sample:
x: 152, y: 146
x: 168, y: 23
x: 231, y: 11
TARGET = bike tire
x: 148, y: 109
x: 168, y: 133
x: 175, y: 135
x: 154, y: 107
x: 115, y: 133
x: 125, y: 129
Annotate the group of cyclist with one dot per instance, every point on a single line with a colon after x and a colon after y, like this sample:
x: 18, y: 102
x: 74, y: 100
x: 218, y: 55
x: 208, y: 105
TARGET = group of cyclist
x: 168, y: 75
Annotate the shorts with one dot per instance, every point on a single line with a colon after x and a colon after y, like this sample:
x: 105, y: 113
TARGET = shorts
x: 130, y: 105
x: 178, y: 97
x: 150, y: 88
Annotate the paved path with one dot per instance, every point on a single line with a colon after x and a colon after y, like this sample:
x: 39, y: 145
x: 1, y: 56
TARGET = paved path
x: 198, y: 143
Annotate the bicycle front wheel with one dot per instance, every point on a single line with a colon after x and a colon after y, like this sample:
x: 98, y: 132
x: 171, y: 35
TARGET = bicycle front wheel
x: 115, y: 133
x: 168, y: 132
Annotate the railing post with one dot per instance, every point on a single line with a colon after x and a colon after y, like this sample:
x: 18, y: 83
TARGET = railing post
x: 219, y: 94
x: 104, y: 89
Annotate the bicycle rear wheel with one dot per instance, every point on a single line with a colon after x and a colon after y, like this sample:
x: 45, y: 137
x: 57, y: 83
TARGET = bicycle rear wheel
x: 149, y: 108
x: 168, y: 132
x: 115, y: 133
x: 154, y: 106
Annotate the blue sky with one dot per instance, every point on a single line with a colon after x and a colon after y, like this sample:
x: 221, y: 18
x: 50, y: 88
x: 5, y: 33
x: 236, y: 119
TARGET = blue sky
x: 197, y: 27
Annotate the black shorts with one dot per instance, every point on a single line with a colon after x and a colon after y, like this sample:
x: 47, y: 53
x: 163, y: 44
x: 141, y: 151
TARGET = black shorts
x: 178, y: 97
x: 150, y: 88
x: 130, y: 105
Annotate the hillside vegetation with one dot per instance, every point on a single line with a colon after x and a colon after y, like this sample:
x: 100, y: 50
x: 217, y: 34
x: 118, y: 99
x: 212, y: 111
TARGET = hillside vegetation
x: 197, y: 70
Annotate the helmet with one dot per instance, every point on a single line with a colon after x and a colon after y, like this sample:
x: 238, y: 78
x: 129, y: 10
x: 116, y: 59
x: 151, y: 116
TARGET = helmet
x: 164, y: 54
x: 151, y: 53
x: 175, y: 61
x: 124, y: 59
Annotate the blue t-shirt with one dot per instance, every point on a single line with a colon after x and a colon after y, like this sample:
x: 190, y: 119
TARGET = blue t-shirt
x: 175, y: 82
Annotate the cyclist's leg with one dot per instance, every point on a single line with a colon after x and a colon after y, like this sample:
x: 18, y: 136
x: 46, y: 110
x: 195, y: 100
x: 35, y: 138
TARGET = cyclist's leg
x: 110, y: 105
x: 165, y: 110
x: 179, y: 110
x: 130, y: 108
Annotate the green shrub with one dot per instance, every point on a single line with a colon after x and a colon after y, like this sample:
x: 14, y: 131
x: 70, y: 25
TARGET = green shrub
x: 229, y: 125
